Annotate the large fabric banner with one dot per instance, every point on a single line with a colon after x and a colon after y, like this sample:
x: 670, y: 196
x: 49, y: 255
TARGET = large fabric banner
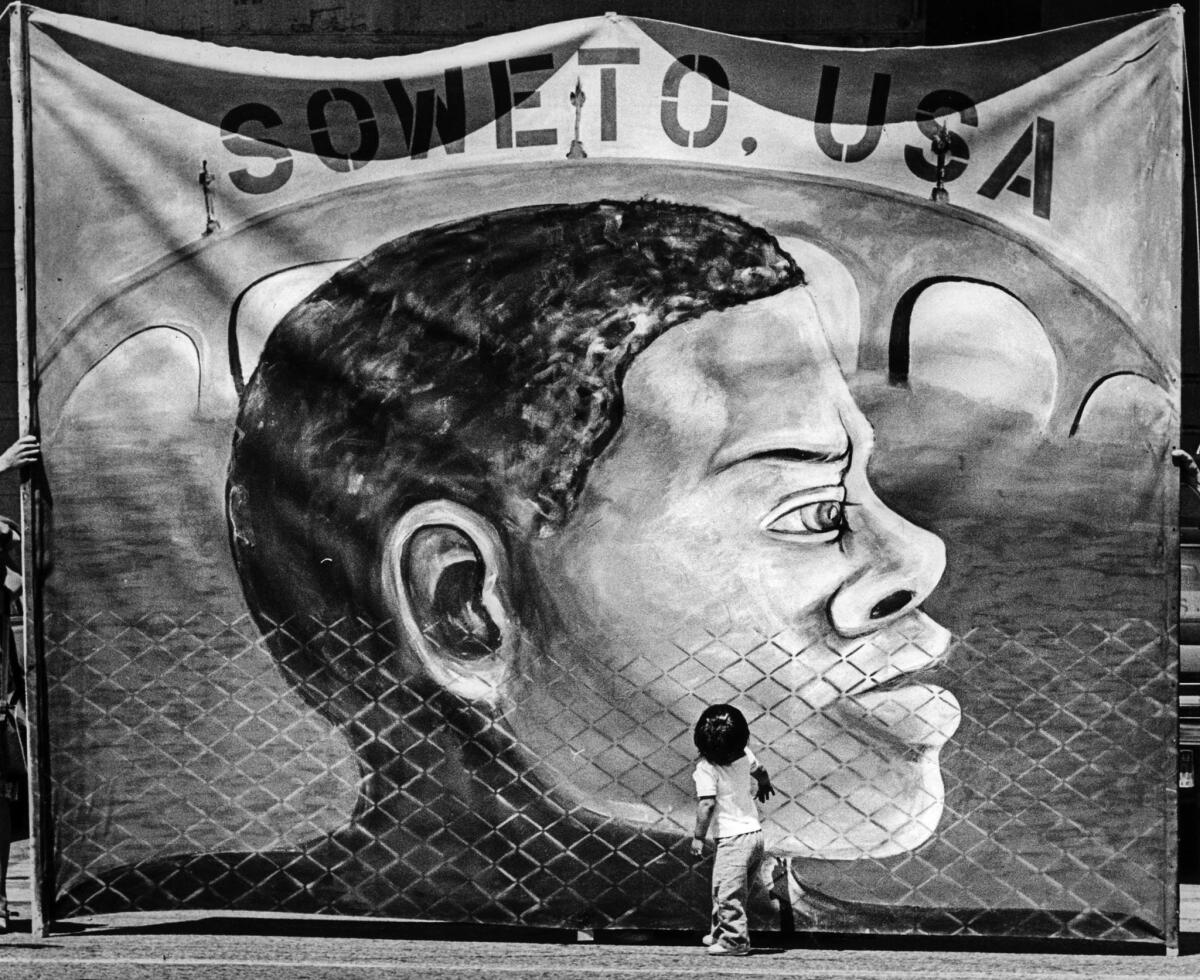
x: 432, y: 438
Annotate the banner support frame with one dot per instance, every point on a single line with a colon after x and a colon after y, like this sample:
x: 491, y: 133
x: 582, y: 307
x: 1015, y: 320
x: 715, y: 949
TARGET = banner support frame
x: 32, y: 478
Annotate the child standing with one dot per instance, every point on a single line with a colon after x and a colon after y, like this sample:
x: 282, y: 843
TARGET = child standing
x: 724, y: 776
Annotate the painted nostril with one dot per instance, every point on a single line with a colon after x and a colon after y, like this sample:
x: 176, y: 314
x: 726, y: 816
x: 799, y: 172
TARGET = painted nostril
x: 893, y: 603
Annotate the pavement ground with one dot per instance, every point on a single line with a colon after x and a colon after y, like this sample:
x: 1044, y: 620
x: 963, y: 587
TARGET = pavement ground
x: 209, y: 946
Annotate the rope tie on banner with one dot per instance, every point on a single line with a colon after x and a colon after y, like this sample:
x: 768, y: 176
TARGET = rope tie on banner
x: 577, y: 99
x: 11, y: 10
x: 206, y: 181
x: 940, y: 144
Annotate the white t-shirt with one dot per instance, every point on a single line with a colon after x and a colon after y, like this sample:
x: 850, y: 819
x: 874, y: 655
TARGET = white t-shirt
x: 733, y: 786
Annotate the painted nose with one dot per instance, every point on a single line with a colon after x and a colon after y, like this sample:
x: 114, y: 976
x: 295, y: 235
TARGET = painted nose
x: 892, y: 604
x: 898, y: 563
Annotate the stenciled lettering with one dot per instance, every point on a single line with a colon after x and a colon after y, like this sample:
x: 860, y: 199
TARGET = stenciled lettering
x: 239, y: 144
x: 1037, y: 141
x: 934, y: 105
x: 345, y: 133
x: 367, y: 145
x: 506, y: 100
x: 718, y: 110
x: 429, y: 111
x: 608, y: 82
x: 823, y: 117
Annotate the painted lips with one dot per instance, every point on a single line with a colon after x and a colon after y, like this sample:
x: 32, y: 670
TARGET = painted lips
x: 916, y: 714
x: 901, y: 708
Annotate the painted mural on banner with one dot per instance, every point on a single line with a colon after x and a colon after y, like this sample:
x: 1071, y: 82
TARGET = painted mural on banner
x: 432, y: 438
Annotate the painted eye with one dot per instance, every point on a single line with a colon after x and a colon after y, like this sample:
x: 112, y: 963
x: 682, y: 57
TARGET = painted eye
x: 827, y: 515
x: 818, y: 517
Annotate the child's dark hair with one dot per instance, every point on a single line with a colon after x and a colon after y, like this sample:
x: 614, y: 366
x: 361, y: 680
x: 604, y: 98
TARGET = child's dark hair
x: 721, y: 734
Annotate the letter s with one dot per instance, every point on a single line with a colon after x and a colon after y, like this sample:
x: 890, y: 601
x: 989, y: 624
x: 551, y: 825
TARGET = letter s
x: 938, y: 103
x: 247, y: 146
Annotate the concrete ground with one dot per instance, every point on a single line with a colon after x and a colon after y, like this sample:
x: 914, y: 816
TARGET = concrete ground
x: 263, y: 947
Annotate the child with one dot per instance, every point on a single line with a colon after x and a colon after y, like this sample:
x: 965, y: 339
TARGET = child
x: 723, y: 779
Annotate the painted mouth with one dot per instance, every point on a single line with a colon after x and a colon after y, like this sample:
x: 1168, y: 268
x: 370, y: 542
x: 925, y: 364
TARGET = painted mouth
x: 915, y: 714
x: 899, y: 706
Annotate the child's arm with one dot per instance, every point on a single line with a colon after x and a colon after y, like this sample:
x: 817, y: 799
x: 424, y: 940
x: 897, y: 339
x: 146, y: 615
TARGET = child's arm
x: 704, y: 814
x: 765, y: 789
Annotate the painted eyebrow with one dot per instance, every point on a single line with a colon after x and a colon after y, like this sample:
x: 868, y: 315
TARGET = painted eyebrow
x: 785, y: 454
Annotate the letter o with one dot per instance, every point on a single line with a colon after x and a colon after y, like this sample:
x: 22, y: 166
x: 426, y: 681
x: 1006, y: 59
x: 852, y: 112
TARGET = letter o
x: 322, y: 139
x: 718, y: 113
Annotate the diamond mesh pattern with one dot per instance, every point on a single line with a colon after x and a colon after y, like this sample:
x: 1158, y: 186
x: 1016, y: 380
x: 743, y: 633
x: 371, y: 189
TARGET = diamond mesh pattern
x: 188, y: 773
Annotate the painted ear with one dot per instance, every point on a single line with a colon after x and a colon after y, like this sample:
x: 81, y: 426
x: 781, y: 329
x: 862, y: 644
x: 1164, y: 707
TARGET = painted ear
x: 445, y: 578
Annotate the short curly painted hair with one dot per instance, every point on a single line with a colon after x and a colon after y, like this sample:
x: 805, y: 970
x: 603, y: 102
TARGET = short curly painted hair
x: 479, y: 361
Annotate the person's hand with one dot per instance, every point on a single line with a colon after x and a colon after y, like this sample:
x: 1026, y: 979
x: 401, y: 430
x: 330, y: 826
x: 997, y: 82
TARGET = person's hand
x: 24, y: 451
x: 765, y: 790
x: 1187, y: 468
x: 697, y: 847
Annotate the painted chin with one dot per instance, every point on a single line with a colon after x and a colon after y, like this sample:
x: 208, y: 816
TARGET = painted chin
x: 874, y: 820
x: 891, y: 795
x: 917, y: 823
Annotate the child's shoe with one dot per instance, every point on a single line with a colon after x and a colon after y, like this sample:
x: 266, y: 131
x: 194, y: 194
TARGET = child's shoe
x: 718, y: 949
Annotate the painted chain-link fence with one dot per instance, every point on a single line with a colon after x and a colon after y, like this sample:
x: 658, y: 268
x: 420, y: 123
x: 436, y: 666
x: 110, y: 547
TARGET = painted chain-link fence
x: 203, y: 756
x: 207, y: 762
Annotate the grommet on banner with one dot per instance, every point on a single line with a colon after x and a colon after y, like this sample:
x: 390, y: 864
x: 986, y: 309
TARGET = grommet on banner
x: 577, y: 152
x: 940, y: 144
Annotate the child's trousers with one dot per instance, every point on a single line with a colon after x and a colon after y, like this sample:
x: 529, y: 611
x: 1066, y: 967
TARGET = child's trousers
x: 736, y: 869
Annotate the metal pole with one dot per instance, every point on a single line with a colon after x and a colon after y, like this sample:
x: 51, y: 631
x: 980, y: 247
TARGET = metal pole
x: 1189, y: 229
x: 31, y: 493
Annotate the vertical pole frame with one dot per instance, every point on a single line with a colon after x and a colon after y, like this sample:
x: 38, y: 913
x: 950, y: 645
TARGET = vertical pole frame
x: 32, y: 497
x: 1189, y: 232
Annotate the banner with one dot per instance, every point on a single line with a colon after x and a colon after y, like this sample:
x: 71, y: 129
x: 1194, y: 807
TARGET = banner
x: 432, y: 438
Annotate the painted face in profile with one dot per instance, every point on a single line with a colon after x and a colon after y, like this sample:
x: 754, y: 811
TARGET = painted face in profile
x: 728, y: 548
